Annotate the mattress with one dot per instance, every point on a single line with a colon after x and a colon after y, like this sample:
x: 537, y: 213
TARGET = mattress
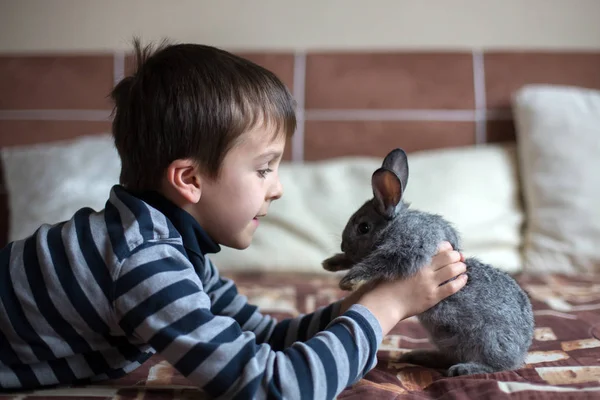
x: 563, y: 362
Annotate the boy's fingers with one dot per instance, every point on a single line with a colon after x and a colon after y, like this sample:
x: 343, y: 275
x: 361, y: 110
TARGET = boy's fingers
x: 452, y: 287
x: 444, y: 246
x: 450, y: 271
x: 440, y: 260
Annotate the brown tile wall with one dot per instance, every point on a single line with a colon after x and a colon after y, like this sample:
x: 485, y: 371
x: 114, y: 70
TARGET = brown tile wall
x: 389, y: 81
x: 79, y: 82
x: 375, y: 138
x: 350, y: 103
x: 506, y: 72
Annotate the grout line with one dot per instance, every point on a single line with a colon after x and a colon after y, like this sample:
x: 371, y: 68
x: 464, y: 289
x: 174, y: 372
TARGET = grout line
x: 390, y: 115
x: 56, y: 115
x: 299, y: 88
x: 298, y: 138
x: 480, y: 100
x: 312, y: 115
x: 118, y: 66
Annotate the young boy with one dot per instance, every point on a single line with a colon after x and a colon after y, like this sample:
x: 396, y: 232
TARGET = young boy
x: 200, y: 133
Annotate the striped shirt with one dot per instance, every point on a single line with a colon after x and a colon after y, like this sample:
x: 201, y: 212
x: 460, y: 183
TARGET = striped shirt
x: 94, y: 297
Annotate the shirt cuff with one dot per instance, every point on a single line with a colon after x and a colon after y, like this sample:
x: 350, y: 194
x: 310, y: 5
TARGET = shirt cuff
x: 368, y: 322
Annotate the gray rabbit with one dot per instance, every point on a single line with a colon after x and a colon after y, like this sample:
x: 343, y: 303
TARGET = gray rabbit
x: 485, y: 327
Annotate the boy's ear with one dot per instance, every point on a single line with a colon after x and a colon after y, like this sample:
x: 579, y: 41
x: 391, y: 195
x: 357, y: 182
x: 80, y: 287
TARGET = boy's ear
x: 183, y: 176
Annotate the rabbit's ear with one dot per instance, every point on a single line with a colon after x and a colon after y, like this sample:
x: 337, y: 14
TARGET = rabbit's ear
x: 387, y: 190
x: 397, y: 161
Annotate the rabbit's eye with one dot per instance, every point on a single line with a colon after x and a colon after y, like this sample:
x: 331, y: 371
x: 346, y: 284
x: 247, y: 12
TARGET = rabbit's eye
x: 363, y: 228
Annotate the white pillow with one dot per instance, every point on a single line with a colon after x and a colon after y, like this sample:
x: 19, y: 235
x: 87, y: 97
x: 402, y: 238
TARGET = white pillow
x: 475, y: 188
x: 47, y: 183
x: 558, y: 131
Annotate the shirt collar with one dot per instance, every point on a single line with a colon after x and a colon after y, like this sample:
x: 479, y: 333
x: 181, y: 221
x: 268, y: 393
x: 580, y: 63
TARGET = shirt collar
x: 194, y: 236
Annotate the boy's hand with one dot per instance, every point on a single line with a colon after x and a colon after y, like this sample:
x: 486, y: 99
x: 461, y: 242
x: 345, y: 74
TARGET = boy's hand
x: 394, y: 301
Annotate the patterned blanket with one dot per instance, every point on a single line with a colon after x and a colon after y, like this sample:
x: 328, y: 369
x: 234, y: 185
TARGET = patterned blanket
x: 563, y: 362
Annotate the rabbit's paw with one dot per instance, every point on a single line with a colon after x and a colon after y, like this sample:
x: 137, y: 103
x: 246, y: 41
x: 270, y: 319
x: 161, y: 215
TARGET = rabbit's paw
x: 338, y: 262
x: 346, y: 284
x: 469, y: 368
x: 352, y: 279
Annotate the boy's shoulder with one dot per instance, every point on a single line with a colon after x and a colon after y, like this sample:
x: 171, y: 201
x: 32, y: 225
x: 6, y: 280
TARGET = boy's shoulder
x: 137, y: 233
x: 130, y: 218
x: 148, y: 228
x: 144, y: 219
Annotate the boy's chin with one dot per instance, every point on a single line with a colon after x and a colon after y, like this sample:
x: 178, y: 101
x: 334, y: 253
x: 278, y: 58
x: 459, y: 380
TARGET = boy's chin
x: 239, y: 243
x: 242, y: 246
x: 242, y: 240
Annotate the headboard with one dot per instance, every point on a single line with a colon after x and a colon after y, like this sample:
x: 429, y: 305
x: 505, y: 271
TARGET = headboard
x: 349, y: 103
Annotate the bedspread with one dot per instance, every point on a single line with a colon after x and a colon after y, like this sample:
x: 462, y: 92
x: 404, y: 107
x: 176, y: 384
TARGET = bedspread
x: 563, y: 362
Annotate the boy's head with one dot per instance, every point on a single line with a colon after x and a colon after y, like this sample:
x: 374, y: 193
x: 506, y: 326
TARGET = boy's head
x: 195, y: 123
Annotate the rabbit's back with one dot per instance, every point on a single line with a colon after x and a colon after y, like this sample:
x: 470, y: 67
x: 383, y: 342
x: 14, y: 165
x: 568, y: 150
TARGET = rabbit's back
x: 489, y: 320
x: 414, y: 228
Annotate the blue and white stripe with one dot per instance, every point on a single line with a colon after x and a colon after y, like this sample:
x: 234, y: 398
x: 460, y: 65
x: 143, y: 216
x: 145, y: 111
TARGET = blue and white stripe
x: 94, y: 297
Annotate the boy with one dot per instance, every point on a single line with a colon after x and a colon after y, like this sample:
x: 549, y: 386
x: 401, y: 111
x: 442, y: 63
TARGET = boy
x: 200, y: 133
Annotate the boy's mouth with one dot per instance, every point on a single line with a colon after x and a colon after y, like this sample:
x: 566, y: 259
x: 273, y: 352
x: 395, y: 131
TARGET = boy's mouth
x: 255, y: 219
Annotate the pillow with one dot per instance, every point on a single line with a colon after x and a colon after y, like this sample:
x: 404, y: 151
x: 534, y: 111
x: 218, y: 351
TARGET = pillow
x: 47, y: 183
x: 475, y: 188
x: 558, y: 134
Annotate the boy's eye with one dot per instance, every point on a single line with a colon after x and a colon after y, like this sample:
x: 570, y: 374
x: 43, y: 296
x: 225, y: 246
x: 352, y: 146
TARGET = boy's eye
x: 263, y: 172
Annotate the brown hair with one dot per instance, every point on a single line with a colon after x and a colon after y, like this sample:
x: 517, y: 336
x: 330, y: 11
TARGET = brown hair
x: 191, y: 101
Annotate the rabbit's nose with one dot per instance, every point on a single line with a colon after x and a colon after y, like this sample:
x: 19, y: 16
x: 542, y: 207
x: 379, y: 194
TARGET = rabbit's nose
x: 343, y: 247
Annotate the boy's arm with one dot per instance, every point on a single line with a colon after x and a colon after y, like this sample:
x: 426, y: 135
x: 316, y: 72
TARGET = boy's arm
x: 226, y: 301
x: 162, y: 302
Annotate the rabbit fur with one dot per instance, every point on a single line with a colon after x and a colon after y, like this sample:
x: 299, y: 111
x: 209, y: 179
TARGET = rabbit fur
x: 485, y: 327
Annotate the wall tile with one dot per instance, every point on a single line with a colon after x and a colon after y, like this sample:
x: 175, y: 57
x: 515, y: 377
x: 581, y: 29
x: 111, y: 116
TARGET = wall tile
x: 130, y: 65
x: 506, y: 72
x: 389, y: 81
x: 281, y: 64
x: 287, y: 152
x: 56, y: 82
x: 327, y: 139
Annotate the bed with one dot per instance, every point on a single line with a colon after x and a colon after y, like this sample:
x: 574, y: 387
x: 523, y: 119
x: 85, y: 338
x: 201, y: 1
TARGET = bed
x: 493, y: 112
x: 562, y: 363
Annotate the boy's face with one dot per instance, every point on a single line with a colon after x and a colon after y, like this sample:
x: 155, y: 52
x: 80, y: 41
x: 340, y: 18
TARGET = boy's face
x: 231, y: 206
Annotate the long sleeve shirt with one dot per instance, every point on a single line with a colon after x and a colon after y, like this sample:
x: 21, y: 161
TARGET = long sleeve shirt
x: 94, y: 297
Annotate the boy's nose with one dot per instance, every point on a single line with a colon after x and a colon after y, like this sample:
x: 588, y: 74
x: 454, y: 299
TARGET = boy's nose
x: 277, y: 191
